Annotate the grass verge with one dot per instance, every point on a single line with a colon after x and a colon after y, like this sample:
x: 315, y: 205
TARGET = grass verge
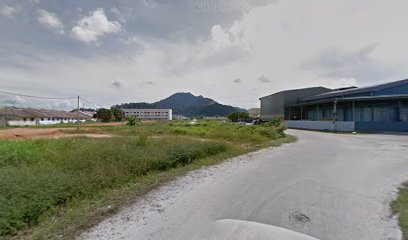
x: 400, y: 206
x: 54, y: 189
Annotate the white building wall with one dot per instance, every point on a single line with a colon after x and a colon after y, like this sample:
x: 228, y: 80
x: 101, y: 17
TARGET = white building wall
x: 42, y: 121
x: 150, y: 114
x: 21, y: 123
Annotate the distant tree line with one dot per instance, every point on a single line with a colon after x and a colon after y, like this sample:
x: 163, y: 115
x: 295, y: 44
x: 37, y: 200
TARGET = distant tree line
x: 84, y: 110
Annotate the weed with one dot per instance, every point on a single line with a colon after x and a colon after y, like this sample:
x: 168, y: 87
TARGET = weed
x: 39, y: 177
x: 400, y: 206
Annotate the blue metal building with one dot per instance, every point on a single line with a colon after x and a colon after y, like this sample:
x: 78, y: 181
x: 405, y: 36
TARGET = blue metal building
x: 381, y: 107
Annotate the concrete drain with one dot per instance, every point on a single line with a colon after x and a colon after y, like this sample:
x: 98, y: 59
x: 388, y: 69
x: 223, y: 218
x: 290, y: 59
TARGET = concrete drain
x: 298, y: 218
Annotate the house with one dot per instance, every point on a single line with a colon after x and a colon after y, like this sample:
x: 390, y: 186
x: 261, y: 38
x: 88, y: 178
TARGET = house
x: 150, y: 114
x: 382, y: 107
x: 13, y: 116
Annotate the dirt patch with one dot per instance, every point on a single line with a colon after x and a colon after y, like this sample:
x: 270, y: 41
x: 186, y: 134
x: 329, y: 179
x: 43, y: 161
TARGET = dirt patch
x: 37, y: 133
x: 113, y: 123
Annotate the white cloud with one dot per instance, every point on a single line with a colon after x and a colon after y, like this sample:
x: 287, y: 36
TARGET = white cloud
x: 35, y: 1
x: 150, y: 3
x: 50, y: 20
x: 220, y: 38
x: 294, y: 44
x: 90, y: 28
x: 8, y: 11
x: 341, y: 82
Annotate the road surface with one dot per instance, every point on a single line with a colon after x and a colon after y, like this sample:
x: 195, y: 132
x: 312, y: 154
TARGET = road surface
x: 327, y: 186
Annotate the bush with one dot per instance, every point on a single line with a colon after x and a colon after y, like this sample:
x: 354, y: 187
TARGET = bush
x: 132, y: 121
x: 275, y: 125
x: 80, y: 167
x: 235, y: 116
x: 105, y: 115
x: 37, y: 176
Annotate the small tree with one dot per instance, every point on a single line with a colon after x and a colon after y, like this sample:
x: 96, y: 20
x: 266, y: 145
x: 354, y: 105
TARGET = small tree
x: 132, y: 121
x: 118, y: 114
x: 105, y: 115
x: 235, y: 116
x: 243, y: 115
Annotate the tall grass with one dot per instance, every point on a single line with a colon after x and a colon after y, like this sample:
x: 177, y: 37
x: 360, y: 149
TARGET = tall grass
x: 38, y: 175
x: 208, y: 129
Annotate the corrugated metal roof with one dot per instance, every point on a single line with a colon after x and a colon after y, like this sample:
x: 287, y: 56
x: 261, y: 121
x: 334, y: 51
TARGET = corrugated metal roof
x: 347, y: 92
x: 299, y: 89
x: 38, y: 113
x: 349, y: 99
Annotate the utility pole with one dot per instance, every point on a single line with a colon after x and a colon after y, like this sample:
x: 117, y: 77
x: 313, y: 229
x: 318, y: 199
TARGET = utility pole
x: 79, y: 124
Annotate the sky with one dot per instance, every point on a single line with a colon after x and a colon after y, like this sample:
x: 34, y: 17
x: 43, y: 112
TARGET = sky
x: 233, y: 51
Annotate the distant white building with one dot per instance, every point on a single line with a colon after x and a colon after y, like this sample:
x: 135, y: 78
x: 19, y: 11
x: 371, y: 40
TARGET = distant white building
x: 13, y: 116
x: 150, y: 114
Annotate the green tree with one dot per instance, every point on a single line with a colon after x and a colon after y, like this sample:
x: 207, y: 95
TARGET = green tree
x: 235, y: 116
x: 132, y: 121
x: 105, y: 115
x: 118, y: 114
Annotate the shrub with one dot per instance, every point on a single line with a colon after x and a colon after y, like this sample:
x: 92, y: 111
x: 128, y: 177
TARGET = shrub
x: 105, y: 115
x: 275, y: 125
x: 132, y: 121
x: 62, y: 169
x: 39, y: 175
x: 235, y: 116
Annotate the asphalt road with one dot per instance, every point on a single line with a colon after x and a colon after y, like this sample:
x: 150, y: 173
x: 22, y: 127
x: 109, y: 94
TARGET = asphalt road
x: 328, y: 186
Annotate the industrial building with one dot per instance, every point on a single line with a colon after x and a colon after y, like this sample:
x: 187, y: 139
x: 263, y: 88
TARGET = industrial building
x: 150, y: 114
x: 382, y: 107
x: 12, y: 116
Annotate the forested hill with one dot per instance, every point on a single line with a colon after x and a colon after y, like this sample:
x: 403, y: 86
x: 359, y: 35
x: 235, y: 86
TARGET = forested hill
x: 188, y: 105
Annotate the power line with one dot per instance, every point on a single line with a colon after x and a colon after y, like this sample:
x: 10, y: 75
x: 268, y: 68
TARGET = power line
x: 48, y: 98
x: 31, y: 96
x: 97, y: 105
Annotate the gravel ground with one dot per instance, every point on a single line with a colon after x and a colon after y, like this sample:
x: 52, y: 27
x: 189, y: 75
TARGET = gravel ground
x: 328, y: 186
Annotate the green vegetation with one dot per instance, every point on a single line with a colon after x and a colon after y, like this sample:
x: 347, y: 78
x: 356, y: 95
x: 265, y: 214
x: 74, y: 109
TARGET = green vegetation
x: 118, y: 114
x: 235, y: 116
x: 217, y: 130
x: 114, y: 114
x: 400, y: 206
x: 132, y: 121
x: 105, y: 115
x: 61, y: 186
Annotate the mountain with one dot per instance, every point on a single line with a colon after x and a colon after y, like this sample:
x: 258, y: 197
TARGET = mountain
x: 188, y: 105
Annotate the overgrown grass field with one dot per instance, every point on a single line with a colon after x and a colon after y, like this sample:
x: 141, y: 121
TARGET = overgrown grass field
x: 49, y: 184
